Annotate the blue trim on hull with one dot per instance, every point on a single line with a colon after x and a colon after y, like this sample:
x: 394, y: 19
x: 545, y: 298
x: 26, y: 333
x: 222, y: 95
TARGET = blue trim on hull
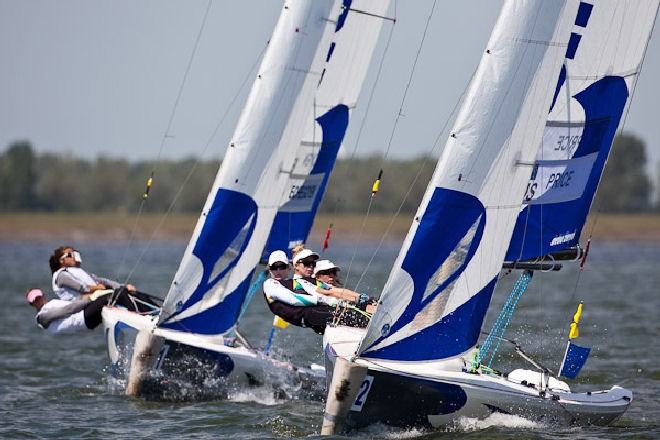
x: 405, y: 401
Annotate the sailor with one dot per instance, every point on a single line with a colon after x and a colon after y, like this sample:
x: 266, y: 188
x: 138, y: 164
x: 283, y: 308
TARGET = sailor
x: 300, y: 302
x: 304, y: 267
x: 304, y: 261
x: 59, y: 316
x: 326, y: 276
x: 327, y: 272
x: 70, y: 281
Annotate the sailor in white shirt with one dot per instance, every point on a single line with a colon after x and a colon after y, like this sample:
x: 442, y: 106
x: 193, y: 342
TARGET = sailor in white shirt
x: 59, y: 316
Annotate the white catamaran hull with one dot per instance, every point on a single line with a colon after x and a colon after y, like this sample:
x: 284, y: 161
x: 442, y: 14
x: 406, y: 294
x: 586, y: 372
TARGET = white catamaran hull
x: 205, y: 367
x: 416, y: 395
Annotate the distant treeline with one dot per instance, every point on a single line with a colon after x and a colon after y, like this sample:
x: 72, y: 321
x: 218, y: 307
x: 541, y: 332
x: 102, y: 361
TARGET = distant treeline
x: 56, y: 183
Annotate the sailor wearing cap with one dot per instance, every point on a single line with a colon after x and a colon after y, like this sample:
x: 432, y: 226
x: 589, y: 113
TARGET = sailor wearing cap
x: 303, y: 301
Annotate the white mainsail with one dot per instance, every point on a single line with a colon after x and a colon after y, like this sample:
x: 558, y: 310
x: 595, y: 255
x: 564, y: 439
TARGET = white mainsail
x: 279, y: 158
x: 208, y: 288
x: 438, y: 292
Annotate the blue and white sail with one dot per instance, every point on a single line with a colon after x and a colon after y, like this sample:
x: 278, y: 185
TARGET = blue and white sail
x: 214, y: 275
x: 594, y: 89
x: 285, y: 142
x: 434, y: 302
x: 345, y: 66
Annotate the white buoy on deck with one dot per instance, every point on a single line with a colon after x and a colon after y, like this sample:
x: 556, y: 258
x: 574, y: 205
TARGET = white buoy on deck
x: 145, y: 354
x: 346, y: 380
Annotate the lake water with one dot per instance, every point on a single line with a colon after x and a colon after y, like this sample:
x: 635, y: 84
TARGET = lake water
x: 54, y: 386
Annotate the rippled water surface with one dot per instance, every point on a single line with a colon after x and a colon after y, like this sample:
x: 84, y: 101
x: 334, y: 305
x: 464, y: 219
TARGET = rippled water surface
x: 60, y: 387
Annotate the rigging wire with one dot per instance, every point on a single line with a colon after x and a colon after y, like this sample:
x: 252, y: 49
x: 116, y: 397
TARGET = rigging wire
x: 166, y: 133
x: 426, y: 159
x: 364, y: 119
x: 196, y: 163
x: 391, y: 137
x: 249, y: 75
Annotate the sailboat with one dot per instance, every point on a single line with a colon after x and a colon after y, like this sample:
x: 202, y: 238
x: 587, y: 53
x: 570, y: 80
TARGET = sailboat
x: 264, y: 197
x: 512, y: 187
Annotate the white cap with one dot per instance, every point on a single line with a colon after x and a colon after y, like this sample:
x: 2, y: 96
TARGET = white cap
x: 277, y: 256
x: 304, y: 254
x: 322, y: 265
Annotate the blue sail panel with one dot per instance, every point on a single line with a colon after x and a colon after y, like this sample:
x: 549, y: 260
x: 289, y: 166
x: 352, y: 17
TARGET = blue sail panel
x: 226, y: 233
x: 445, y: 242
x: 549, y: 222
x: 295, y: 218
x: 452, y: 335
x: 346, y: 7
x: 217, y: 319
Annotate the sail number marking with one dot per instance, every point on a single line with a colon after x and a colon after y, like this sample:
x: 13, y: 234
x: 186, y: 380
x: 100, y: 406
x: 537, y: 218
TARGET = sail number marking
x: 567, y: 143
x: 365, y: 386
x: 530, y: 191
x: 557, y: 180
x: 554, y: 181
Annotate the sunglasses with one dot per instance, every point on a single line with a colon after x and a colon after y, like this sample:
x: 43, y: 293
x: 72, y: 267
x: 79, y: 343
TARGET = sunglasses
x: 279, y: 266
x: 327, y: 272
x: 308, y: 263
x: 67, y: 255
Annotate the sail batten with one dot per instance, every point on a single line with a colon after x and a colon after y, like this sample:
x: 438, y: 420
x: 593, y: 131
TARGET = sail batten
x: 439, y: 290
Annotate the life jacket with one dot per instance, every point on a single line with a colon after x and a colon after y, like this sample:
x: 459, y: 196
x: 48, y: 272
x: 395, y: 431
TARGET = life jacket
x: 290, y: 313
x: 66, y: 293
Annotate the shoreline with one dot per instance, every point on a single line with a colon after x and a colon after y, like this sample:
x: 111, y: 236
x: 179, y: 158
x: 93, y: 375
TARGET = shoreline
x: 86, y: 227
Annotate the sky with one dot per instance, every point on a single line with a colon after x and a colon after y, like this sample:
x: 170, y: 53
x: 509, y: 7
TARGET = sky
x: 95, y: 78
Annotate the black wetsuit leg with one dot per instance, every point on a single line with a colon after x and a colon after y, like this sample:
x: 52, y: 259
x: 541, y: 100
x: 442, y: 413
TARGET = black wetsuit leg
x: 316, y: 317
x: 92, y: 312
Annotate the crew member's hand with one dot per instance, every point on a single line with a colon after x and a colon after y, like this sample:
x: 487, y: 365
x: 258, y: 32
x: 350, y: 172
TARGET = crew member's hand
x: 328, y: 300
x: 99, y: 293
x: 361, y: 298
